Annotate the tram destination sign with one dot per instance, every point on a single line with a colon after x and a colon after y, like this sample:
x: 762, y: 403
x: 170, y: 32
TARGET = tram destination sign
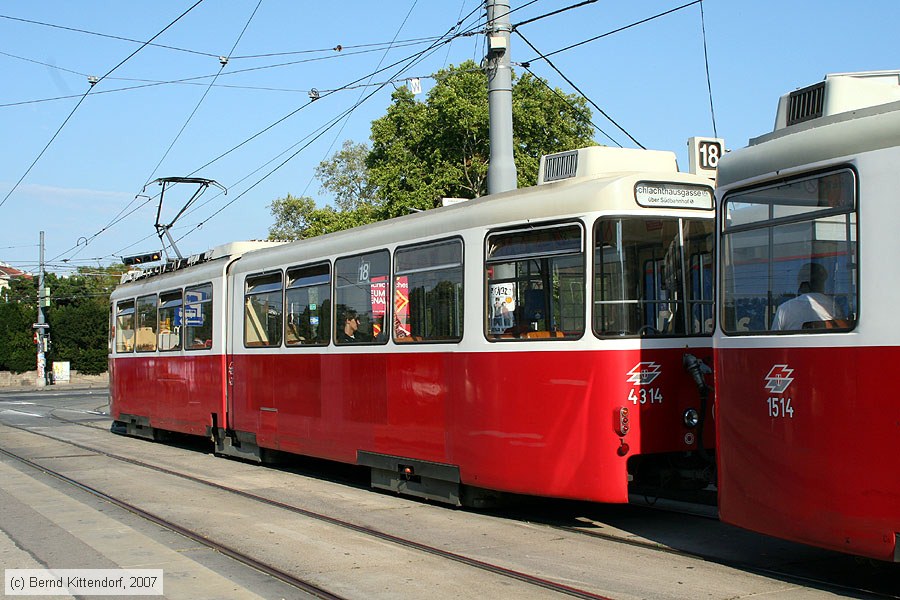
x: 653, y: 194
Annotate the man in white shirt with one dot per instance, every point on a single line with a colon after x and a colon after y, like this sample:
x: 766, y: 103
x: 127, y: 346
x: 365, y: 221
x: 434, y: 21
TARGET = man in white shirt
x: 811, y: 305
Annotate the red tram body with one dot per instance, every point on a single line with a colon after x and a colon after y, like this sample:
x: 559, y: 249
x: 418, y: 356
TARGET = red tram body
x: 808, y: 427
x: 529, y: 342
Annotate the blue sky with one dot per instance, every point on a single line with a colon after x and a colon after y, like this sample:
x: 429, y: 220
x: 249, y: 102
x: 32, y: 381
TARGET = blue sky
x: 650, y: 78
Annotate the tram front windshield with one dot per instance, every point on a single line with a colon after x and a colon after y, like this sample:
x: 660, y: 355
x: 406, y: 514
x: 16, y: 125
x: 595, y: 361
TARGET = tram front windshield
x: 653, y: 277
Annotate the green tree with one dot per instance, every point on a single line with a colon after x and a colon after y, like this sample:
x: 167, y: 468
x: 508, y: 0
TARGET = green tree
x: 346, y: 177
x: 79, y: 332
x: 78, y: 316
x: 17, y: 350
x: 423, y: 151
x: 298, y: 218
x: 401, y: 155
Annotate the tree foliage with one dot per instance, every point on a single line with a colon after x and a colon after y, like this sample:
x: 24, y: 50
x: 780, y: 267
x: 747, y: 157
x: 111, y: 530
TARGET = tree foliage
x: 424, y: 151
x: 17, y: 352
x: 345, y: 176
x: 79, y: 331
x: 298, y: 218
x: 78, y: 316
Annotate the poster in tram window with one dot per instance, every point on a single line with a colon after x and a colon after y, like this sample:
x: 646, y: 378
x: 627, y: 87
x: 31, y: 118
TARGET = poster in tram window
x: 402, y: 326
x: 503, y: 306
x: 378, y: 294
x: 193, y: 313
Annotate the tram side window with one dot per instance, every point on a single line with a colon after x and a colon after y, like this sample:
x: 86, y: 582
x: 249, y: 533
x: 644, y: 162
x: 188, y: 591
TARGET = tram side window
x: 308, y: 305
x: 698, y: 248
x: 170, y: 317
x: 535, y: 283
x: 146, y: 324
x: 790, y: 256
x: 361, y: 307
x: 263, y: 310
x: 125, y: 326
x: 198, y: 317
x: 428, y: 292
x: 653, y: 277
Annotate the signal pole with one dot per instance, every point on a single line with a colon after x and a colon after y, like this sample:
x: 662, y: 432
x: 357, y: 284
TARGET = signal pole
x: 41, y: 325
x: 501, y: 176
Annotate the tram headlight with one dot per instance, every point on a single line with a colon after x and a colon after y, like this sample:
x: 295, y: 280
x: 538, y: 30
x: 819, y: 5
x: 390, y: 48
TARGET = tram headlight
x: 691, y: 418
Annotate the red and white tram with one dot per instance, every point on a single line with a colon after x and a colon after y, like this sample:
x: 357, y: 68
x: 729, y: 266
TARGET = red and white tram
x: 808, y: 425
x: 528, y: 342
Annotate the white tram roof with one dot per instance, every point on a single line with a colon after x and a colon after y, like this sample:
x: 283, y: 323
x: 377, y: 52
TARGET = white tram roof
x: 843, y: 115
x: 605, y: 180
x: 567, y: 198
x: 838, y: 93
x: 186, y: 271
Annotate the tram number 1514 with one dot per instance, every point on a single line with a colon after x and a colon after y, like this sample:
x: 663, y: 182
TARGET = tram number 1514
x: 646, y: 396
x: 780, y: 407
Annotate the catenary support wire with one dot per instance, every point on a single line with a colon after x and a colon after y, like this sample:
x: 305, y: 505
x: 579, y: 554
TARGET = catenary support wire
x: 92, y: 86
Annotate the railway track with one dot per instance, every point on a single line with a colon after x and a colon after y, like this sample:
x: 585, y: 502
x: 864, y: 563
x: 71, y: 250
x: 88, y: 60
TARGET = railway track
x: 244, y: 558
x: 229, y: 551
x: 541, y: 582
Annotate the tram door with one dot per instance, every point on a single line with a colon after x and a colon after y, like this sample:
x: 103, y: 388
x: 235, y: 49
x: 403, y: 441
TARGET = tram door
x: 230, y: 320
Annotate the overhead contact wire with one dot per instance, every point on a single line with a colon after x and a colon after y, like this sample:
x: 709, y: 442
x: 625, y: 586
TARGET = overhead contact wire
x: 362, y: 93
x: 27, y: 171
x: 712, y: 109
x: 577, y: 89
x: 205, y: 93
x: 410, y: 60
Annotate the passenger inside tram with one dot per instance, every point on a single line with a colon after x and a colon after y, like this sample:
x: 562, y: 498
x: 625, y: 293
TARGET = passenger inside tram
x: 350, y: 333
x: 812, y: 308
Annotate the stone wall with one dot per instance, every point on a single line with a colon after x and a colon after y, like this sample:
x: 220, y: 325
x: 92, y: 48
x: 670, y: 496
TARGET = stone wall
x: 29, y: 379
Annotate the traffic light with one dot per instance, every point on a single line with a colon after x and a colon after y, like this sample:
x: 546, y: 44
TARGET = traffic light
x: 141, y: 258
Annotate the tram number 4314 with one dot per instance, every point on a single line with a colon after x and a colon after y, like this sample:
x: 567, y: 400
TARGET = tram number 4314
x: 780, y: 407
x: 645, y: 396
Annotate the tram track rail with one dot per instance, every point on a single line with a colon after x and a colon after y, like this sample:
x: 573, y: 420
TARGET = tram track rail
x: 475, y: 563
x: 248, y: 560
x: 226, y: 550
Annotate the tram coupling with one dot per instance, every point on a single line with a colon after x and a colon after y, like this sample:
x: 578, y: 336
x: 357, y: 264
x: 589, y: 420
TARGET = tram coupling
x: 694, y: 418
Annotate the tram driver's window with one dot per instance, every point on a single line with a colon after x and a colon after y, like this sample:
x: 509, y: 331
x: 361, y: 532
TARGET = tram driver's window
x: 535, y: 283
x: 262, y: 310
x: 790, y: 255
x: 362, y: 309
x: 125, y: 326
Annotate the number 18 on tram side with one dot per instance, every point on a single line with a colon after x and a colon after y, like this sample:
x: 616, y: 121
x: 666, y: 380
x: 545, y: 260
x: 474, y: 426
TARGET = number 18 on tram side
x: 809, y: 336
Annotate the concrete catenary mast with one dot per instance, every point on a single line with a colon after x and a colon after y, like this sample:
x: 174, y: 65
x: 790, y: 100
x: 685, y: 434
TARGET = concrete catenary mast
x: 501, y: 176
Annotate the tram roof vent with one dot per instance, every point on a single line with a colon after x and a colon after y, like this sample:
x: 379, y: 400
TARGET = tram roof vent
x: 599, y: 160
x: 838, y: 93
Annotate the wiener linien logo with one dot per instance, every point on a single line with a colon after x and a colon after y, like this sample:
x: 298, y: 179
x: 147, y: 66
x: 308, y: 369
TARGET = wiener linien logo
x: 778, y: 379
x: 644, y: 373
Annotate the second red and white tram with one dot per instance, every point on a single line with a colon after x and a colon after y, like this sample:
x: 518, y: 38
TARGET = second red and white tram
x: 808, y: 419
x: 530, y: 342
